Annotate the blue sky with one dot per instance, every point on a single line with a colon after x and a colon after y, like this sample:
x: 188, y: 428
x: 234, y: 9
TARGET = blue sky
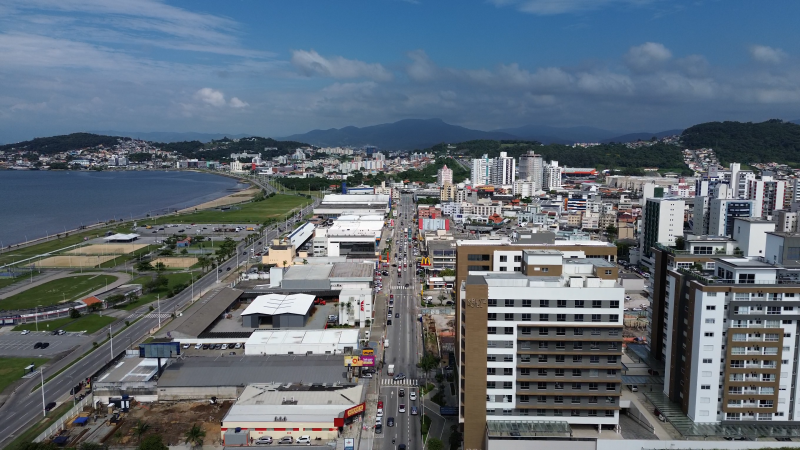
x: 277, y: 67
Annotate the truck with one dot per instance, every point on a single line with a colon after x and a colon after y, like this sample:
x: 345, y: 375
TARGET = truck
x: 391, y: 370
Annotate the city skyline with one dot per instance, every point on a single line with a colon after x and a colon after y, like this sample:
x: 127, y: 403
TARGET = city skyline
x: 622, y: 65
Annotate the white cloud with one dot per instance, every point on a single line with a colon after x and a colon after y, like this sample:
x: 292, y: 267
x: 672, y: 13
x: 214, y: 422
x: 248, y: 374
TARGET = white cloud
x: 421, y: 67
x: 764, y: 54
x: 236, y: 103
x: 552, y: 7
x: 312, y: 63
x: 210, y: 96
x: 647, y: 57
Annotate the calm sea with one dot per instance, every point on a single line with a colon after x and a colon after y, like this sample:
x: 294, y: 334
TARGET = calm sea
x: 34, y: 204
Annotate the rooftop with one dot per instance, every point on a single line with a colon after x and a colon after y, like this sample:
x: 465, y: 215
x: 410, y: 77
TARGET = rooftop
x: 527, y: 428
x: 745, y: 263
x: 130, y: 370
x: 308, y: 272
x: 241, y: 371
x: 333, y: 336
x: 274, y: 304
x: 352, y: 270
x: 195, y: 320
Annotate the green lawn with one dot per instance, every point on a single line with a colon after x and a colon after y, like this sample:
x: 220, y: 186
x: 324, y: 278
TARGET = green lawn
x: 56, y: 291
x: 11, y: 369
x: 253, y: 212
x: 5, y: 281
x: 55, y: 244
x: 174, y: 280
x: 88, y: 323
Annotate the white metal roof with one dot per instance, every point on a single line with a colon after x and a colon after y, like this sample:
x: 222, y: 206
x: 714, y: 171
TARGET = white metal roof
x: 274, y: 304
x: 122, y: 237
x: 308, y: 337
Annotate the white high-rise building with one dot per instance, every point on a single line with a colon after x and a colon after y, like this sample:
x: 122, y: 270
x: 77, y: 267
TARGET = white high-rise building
x: 444, y: 176
x: 502, y: 171
x: 768, y: 195
x: 552, y: 176
x: 531, y: 168
x: 663, y: 222
x: 480, y: 171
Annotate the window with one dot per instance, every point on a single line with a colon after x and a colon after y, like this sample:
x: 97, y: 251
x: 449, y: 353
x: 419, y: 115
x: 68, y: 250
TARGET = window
x: 490, y: 385
x: 542, y: 345
x: 707, y: 361
x: 594, y: 359
x: 612, y: 359
x: 525, y: 330
x: 576, y: 413
x: 710, y: 321
x: 579, y: 303
x: 544, y: 317
x: 559, y: 386
x: 524, y: 399
x: 509, y: 303
x: 611, y: 372
x: 561, y: 317
x: 705, y: 386
x: 558, y: 399
x: 478, y: 257
x: 524, y: 385
x: 525, y: 372
x: 542, y: 372
x: 526, y: 317
x: 508, y: 385
x: 559, y: 372
x: 576, y: 386
x: 710, y: 307
x: 491, y: 371
x: 542, y: 386
x: 613, y: 317
x: 509, y: 330
x: 492, y: 302
x: 747, y: 278
x: 527, y: 303
x: 594, y: 386
x: 472, y: 268
x: 597, y: 304
x: 708, y: 334
x: 561, y: 303
x: 576, y: 400
x: 503, y: 269
x: 503, y: 258
x: 491, y: 358
x: 492, y: 330
x: 578, y: 317
x: 559, y: 358
x: 576, y: 372
x: 611, y: 387
x: 560, y: 345
x: 561, y: 331
x: 517, y: 258
x: 577, y: 345
x: 609, y: 413
x: 508, y: 371
x: 595, y: 317
x: 544, y: 303
x: 509, y: 317
x: 541, y: 399
x: 542, y: 358
x: 594, y: 345
x: 577, y: 358
x: 544, y: 331
x: 593, y: 400
x: 491, y: 316
x: 577, y: 331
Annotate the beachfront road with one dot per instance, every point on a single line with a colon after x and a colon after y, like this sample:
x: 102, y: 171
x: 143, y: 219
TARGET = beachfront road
x: 24, y: 407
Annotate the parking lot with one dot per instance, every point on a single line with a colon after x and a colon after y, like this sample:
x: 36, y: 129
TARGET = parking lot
x: 16, y: 344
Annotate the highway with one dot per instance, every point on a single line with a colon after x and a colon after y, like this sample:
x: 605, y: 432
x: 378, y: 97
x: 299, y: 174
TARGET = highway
x: 404, y: 338
x: 25, y: 407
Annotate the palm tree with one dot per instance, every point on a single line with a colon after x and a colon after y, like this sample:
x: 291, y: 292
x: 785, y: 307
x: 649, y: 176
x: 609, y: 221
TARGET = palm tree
x: 285, y: 263
x: 140, y: 429
x: 195, y: 435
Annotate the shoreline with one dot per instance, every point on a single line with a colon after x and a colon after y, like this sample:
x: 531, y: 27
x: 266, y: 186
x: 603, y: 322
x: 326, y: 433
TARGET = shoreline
x: 166, y: 211
x: 245, y: 195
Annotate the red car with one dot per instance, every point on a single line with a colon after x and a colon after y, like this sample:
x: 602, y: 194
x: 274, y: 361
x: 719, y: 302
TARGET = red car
x: 380, y: 405
x: 391, y: 295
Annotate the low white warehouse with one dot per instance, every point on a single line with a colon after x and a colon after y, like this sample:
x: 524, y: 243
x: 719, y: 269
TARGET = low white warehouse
x: 301, y: 342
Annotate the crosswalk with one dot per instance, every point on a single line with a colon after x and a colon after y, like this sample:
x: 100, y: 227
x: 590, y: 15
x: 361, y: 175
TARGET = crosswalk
x: 393, y: 382
x: 403, y: 287
x: 149, y: 315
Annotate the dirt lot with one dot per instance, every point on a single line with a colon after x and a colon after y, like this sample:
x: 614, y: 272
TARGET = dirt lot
x: 106, y: 249
x: 172, y: 420
x: 176, y: 262
x: 73, y: 261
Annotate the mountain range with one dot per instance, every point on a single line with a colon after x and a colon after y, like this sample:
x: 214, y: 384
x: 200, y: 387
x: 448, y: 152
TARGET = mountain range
x: 422, y: 133
x: 170, y: 136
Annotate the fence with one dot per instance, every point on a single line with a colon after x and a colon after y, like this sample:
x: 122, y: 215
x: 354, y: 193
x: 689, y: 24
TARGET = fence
x: 63, y: 421
x: 639, y: 418
x: 439, y: 311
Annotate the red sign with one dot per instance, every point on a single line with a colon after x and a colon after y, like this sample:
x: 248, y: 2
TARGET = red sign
x: 362, y: 305
x: 355, y: 410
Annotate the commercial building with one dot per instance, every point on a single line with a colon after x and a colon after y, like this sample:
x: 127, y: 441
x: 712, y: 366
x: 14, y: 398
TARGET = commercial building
x: 543, y: 344
x: 302, y: 342
x: 335, y: 205
x: 355, y: 236
x: 278, y: 311
x: 277, y: 410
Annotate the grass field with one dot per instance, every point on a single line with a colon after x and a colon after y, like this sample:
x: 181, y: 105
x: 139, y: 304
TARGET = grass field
x: 55, y: 244
x: 253, y: 212
x: 176, y: 262
x: 57, y: 291
x: 88, y: 323
x: 6, y: 281
x: 174, y: 280
x: 11, y: 369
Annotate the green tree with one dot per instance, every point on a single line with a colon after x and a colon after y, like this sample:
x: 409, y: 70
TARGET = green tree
x: 92, y: 446
x: 184, y: 251
x: 153, y: 442
x: 447, y: 273
x: 140, y: 429
x: 144, y: 266
x: 680, y: 242
x: 160, y: 267
x: 434, y: 444
x: 611, y: 231
x: 195, y: 436
x: 74, y: 313
x: 36, y: 446
x: 428, y: 362
x: 455, y: 437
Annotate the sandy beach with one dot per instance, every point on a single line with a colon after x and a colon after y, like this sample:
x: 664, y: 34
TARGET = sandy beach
x: 236, y: 197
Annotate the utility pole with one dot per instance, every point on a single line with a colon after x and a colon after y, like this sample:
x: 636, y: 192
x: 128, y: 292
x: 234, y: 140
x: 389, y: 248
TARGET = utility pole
x: 111, y: 337
x: 44, y: 405
x: 158, y: 301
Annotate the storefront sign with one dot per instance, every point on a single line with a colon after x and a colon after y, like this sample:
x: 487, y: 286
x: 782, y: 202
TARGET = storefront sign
x: 367, y: 351
x: 353, y: 361
x: 354, y: 411
x: 349, y: 444
x: 368, y: 360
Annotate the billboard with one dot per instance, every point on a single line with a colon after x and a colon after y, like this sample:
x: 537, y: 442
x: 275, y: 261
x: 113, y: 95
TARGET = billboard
x: 353, y: 361
x: 367, y: 351
x: 160, y: 350
x: 368, y: 360
x: 349, y: 444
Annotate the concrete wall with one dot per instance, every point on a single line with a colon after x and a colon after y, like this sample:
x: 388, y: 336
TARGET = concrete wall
x: 250, y: 321
x: 288, y: 321
x: 277, y: 430
x: 629, y: 444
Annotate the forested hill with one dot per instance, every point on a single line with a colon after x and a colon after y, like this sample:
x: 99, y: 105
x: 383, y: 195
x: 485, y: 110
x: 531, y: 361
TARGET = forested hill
x: 747, y: 142
x: 64, y: 143
x: 604, y: 156
x: 222, y: 149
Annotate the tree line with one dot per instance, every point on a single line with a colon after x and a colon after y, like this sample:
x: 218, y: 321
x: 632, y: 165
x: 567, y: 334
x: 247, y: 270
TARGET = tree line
x: 747, y: 142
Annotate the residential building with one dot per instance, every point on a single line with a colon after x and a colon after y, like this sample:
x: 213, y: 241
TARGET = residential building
x: 448, y: 192
x: 480, y: 171
x: 552, y: 176
x: 531, y: 168
x: 723, y: 211
x: 785, y: 221
x: 750, y: 234
x: 543, y: 344
x: 444, y: 176
x: 767, y: 194
x: 663, y: 222
x: 525, y: 188
x: 502, y: 170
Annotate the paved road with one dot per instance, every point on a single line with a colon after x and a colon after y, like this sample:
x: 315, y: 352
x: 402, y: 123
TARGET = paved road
x: 403, y: 337
x: 23, y: 407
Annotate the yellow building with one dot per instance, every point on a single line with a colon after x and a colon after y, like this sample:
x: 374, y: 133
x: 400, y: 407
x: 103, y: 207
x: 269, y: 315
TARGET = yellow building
x: 280, y: 255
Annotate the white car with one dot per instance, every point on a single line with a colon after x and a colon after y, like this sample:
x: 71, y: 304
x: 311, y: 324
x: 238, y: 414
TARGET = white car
x: 238, y: 345
x: 402, y: 408
x: 378, y: 421
x: 26, y: 331
x: 379, y: 413
x: 304, y: 440
x: 198, y: 346
x: 185, y: 346
x: 413, y: 395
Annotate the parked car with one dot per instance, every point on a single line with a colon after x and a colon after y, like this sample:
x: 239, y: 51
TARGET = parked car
x: 264, y: 440
x: 286, y: 440
x: 37, y: 345
x: 45, y: 345
x: 402, y: 392
x: 238, y: 345
x: 26, y: 331
x: 378, y: 429
x: 185, y: 345
x: 198, y: 346
x: 205, y: 346
x: 304, y: 440
x: 50, y: 406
